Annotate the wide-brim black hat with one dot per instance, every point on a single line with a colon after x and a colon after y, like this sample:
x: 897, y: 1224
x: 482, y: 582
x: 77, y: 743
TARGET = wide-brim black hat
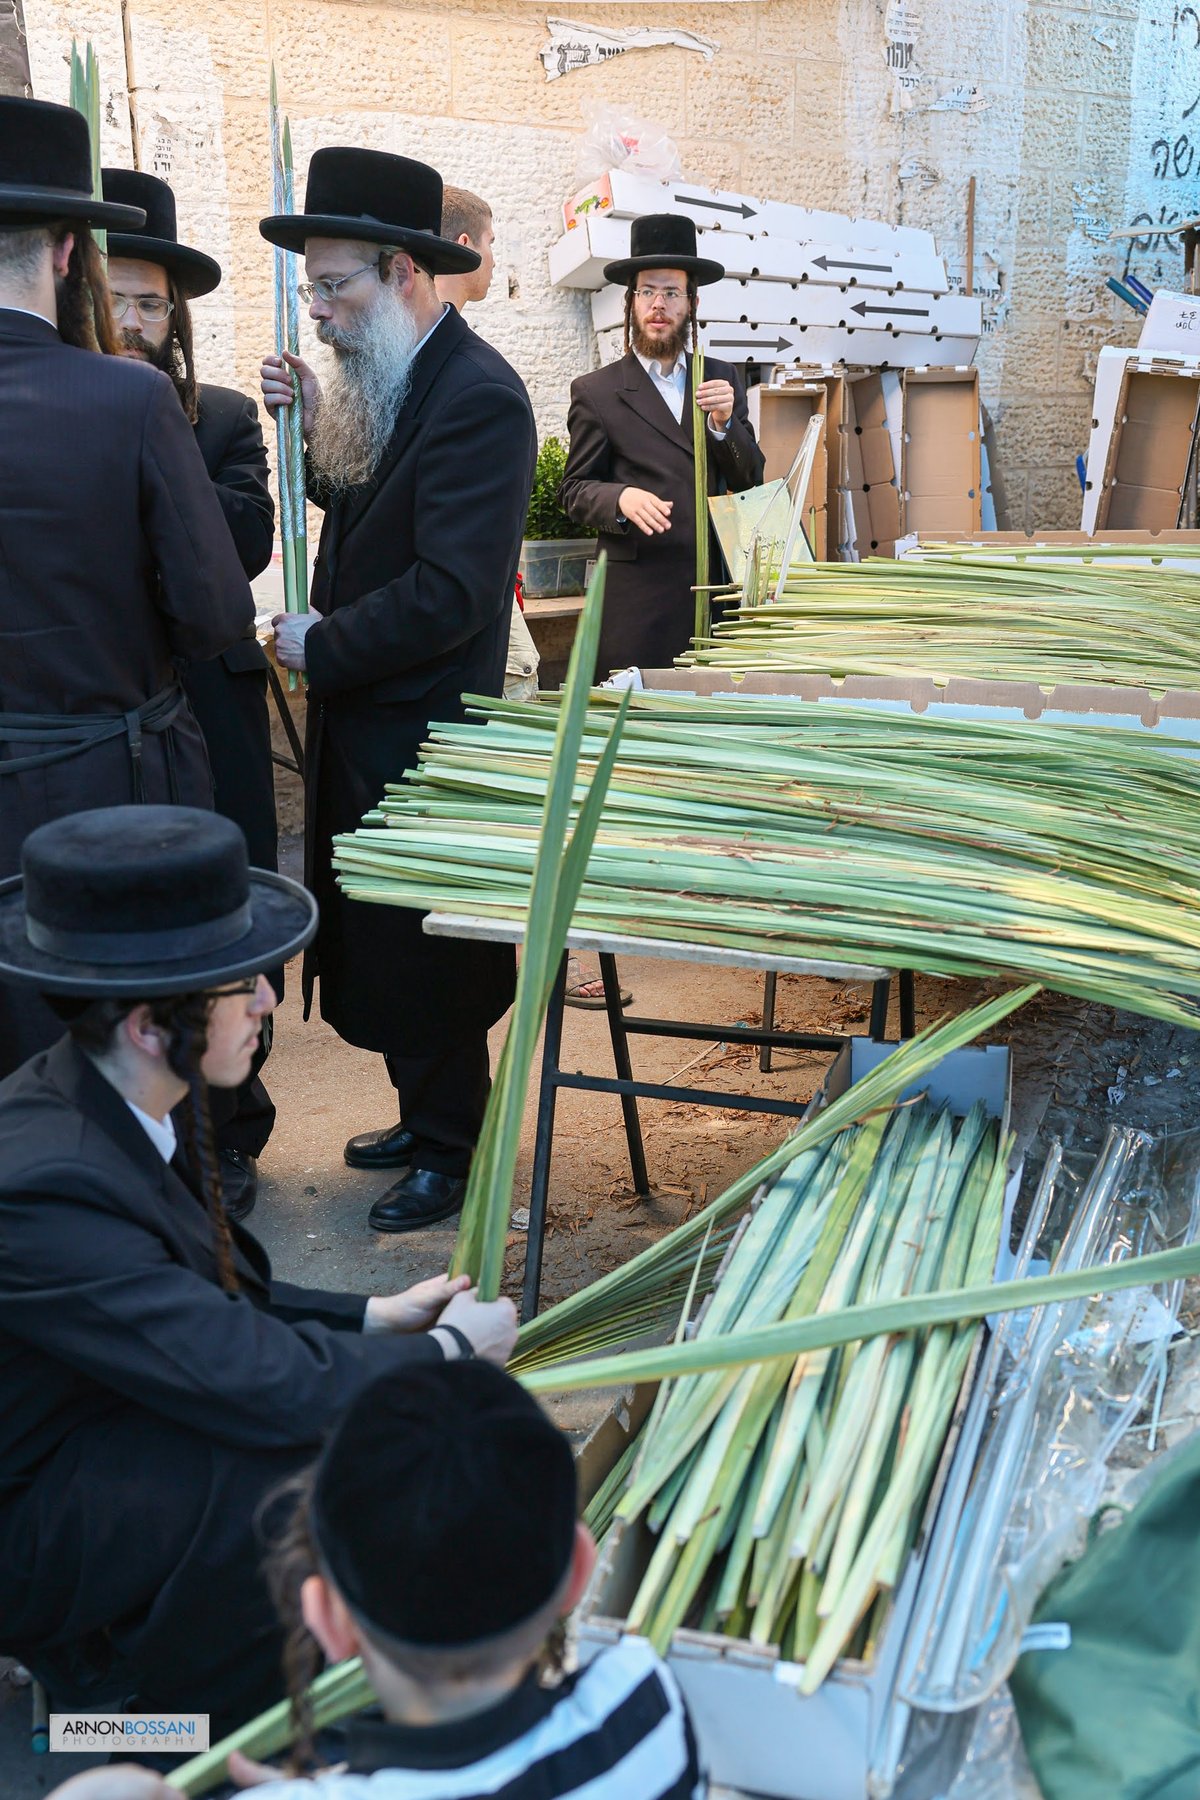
x: 663, y: 241
x: 158, y: 240
x: 46, y: 169
x: 377, y: 197
x: 133, y: 902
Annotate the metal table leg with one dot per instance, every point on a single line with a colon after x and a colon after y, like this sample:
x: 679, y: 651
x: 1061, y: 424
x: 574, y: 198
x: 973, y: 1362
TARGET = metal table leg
x: 768, y: 1019
x: 624, y: 1069
x: 543, y: 1145
x: 908, y: 1004
x: 880, y: 994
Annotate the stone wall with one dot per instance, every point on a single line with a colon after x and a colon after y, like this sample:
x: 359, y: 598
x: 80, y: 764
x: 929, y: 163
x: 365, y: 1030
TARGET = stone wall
x: 1075, y: 119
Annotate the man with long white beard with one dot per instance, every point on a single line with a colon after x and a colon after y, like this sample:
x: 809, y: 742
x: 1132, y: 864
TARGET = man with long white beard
x: 421, y: 447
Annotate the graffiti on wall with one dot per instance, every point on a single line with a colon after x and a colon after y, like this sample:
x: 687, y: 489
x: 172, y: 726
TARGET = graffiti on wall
x: 1163, y: 180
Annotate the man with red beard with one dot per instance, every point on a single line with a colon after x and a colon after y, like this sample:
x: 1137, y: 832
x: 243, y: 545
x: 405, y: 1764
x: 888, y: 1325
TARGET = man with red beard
x: 153, y: 278
x: 421, y: 447
x: 630, y: 473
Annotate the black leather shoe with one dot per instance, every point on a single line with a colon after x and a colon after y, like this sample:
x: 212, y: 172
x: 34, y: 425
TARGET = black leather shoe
x: 421, y: 1197
x: 390, y: 1149
x: 239, y: 1182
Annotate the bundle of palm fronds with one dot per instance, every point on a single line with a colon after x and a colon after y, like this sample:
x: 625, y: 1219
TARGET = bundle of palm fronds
x: 1034, y: 617
x: 1069, y: 855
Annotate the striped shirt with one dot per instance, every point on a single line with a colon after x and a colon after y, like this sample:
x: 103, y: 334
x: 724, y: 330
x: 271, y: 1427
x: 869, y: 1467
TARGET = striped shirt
x: 617, y: 1728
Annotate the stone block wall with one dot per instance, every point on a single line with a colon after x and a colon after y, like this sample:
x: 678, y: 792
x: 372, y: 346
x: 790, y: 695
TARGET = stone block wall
x: 1075, y: 119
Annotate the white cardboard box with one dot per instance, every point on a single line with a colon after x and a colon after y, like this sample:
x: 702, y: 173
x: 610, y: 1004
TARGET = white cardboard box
x: 812, y: 303
x: 1172, y: 324
x: 756, y: 1732
x: 811, y: 346
x: 1144, y: 420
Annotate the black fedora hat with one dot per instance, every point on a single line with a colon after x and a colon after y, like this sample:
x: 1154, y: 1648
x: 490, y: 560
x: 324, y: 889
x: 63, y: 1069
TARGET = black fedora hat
x: 377, y: 197
x: 663, y: 241
x: 46, y: 169
x: 158, y: 240
x: 137, y: 901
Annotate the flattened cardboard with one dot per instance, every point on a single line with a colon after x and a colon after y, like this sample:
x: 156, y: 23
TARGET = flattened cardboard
x: 780, y: 417
x: 872, y: 481
x: 940, y: 475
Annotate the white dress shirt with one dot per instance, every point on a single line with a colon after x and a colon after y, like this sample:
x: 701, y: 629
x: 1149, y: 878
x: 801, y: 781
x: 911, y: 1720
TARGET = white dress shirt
x: 161, y: 1132
x: 672, y: 385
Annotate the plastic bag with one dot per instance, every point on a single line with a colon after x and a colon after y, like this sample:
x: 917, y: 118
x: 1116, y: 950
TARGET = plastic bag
x: 617, y: 139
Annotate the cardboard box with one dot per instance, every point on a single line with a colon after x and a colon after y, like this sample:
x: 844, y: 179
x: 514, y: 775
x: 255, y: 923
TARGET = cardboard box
x: 871, y: 496
x: 780, y: 417
x: 1144, y: 422
x: 1172, y: 324
x: 1175, y: 713
x: 940, y: 463
x: 756, y: 1732
x: 1147, y: 549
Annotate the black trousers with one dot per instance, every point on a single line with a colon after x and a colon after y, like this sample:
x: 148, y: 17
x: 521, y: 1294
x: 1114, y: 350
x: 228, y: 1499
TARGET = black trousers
x: 442, y: 1101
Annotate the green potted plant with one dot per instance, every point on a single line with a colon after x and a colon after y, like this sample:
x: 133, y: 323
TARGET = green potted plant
x: 554, y: 557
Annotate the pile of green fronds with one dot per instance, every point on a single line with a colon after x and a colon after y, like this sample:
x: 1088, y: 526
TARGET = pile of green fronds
x: 1036, y: 618
x: 1068, y: 855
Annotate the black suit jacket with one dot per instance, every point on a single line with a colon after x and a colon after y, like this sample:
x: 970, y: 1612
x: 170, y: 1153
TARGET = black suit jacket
x: 415, y: 578
x: 115, y: 565
x: 229, y: 692
x: 623, y: 434
x: 147, y: 1414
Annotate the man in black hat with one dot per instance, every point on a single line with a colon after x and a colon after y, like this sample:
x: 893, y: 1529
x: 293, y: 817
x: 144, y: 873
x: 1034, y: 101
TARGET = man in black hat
x: 158, y: 1383
x: 115, y: 562
x: 153, y: 278
x: 630, y: 473
x: 421, y: 447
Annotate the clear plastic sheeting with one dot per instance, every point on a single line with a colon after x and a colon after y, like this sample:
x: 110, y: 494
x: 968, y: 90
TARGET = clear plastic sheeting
x: 617, y: 139
x: 1059, y: 1387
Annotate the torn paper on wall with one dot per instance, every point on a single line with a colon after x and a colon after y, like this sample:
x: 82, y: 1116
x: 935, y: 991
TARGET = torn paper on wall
x: 901, y: 24
x: 573, y: 45
x: 964, y: 98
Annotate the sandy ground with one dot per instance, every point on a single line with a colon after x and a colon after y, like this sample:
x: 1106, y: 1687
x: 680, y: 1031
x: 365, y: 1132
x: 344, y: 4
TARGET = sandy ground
x: 311, y: 1214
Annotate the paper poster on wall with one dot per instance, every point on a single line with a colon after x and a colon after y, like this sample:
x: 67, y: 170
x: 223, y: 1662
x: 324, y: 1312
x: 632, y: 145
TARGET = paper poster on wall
x: 573, y: 45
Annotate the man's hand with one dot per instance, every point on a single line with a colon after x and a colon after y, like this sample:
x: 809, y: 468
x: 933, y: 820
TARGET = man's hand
x: 290, y: 631
x: 277, y: 385
x: 417, y: 1307
x: 716, y: 399
x: 119, y: 1781
x: 491, y: 1325
x: 645, y: 510
x: 246, y: 1774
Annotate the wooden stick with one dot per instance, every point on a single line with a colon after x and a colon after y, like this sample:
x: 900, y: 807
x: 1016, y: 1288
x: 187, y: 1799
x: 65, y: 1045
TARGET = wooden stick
x: 970, y: 284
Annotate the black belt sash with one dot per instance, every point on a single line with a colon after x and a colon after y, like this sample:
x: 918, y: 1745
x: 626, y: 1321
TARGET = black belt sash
x: 62, y: 735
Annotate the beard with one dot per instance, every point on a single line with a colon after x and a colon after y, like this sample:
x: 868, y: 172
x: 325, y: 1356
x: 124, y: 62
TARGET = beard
x: 164, y: 356
x: 362, y: 391
x: 664, y: 347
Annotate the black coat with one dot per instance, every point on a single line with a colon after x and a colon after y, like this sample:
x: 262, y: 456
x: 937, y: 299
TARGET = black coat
x: 115, y: 562
x: 229, y: 692
x: 145, y: 1411
x: 623, y: 434
x: 415, y: 579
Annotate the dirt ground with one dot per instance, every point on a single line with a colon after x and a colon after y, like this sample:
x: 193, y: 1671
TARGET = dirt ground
x: 1075, y: 1068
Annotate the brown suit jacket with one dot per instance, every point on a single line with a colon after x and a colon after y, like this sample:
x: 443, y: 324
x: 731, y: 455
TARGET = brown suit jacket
x: 623, y: 434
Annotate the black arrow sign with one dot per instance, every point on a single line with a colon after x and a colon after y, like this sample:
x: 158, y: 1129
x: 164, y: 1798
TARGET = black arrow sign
x: 827, y: 263
x: 747, y: 212
x: 910, y: 312
x: 755, y: 344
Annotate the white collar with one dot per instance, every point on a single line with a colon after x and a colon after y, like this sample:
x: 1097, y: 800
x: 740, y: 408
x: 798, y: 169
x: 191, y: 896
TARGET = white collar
x: 656, y: 372
x: 434, y: 326
x: 161, y: 1132
x: 29, y: 313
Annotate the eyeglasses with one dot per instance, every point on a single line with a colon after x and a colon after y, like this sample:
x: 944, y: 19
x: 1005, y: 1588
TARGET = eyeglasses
x: 249, y: 986
x: 148, y: 307
x: 327, y: 290
x: 668, y: 294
